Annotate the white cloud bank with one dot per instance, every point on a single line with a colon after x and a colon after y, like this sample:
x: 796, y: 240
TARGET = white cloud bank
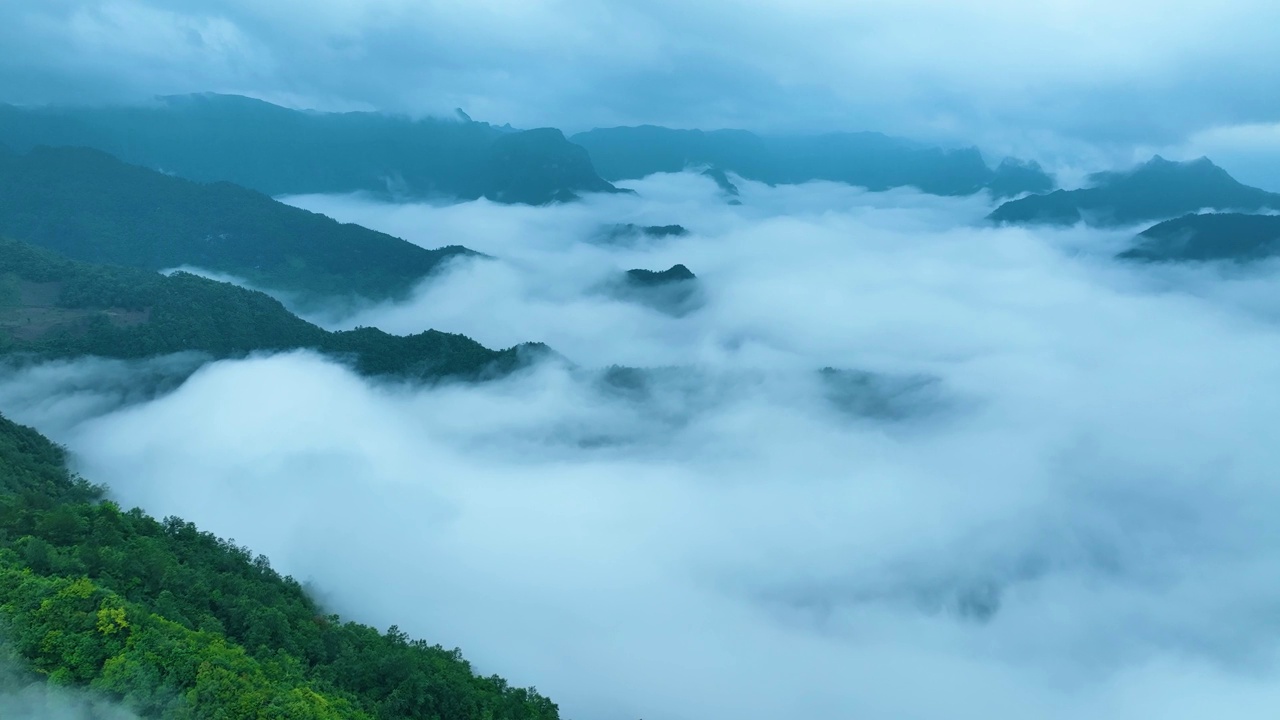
x: 1086, y: 530
x: 25, y: 698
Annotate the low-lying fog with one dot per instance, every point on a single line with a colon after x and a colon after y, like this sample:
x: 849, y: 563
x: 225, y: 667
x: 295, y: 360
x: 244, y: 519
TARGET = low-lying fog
x: 1054, y: 497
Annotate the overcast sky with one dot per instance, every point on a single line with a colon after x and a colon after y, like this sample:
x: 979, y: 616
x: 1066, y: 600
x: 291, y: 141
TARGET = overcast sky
x: 1048, y: 78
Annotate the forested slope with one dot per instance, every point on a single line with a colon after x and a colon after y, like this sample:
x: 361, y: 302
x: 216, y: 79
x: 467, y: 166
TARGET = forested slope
x: 52, y: 307
x: 92, y: 207
x: 176, y: 623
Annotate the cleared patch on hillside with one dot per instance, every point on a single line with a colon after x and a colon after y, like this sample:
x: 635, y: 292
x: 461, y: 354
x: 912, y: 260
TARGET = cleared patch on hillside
x: 31, y: 310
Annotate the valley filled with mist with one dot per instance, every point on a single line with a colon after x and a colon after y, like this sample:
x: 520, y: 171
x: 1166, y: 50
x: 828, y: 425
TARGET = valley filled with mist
x: 890, y: 442
x: 324, y: 409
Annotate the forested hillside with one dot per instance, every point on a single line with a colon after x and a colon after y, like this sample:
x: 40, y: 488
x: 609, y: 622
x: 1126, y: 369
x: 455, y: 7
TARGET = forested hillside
x: 176, y: 623
x: 92, y: 207
x: 54, y: 307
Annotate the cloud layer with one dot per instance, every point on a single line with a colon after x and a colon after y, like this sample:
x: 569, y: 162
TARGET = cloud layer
x: 1075, y: 521
x: 22, y: 697
x: 1077, y: 82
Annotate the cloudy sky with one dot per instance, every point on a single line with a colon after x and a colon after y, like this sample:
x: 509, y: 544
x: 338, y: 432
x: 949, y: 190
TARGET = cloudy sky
x: 1084, y: 82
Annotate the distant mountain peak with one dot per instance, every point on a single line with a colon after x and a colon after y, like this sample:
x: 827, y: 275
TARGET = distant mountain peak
x: 676, y: 273
x: 1013, y: 162
x: 1169, y: 174
x: 1159, y: 164
x: 1156, y: 190
x: 1013, y: 177
x: 1209, y: 237
x: 674, y: 291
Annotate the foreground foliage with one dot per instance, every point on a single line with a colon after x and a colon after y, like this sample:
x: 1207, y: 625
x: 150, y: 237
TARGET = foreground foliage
x: 177, y: 623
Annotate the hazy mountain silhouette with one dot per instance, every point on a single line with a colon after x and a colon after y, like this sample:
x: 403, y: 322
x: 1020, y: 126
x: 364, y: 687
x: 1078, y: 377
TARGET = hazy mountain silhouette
x: 722, y: 181
x: 92, y: 207
x: 629, y: 233
x: 870, y: 160
x: 674, y: 291
x: 649, y: 278
x: 278, y: 151
x: 1216, y: 236
x: 1156, y: 190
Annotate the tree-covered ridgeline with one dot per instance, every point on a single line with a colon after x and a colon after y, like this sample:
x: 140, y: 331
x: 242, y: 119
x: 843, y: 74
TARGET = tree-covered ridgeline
x: 174, y: 622
x: 92, y: 207
x: 53, y: 307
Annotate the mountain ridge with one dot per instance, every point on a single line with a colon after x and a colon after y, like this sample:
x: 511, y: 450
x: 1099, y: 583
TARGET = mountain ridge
x: 94, y: 207
x: 865, y: 159
x: 210, y: 137
x: 1208, y: 237
x: 54, y: 307
x: 1153, y: 191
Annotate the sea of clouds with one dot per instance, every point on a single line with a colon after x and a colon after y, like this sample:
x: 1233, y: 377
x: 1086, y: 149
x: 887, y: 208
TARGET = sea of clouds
x: 1038, y: 483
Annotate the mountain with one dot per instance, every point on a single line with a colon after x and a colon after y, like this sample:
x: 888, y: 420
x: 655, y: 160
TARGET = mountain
x: 1224, y: 236
x: 173, y: 622
x: 1014, y: 177
x: 279, y: 151
x: 52, y: 307
x: 626, y: 233
x: 536, y: 167
x: 649, y: 278
x: 722, y: 181
x: 90, y: 206
x: 859, y: 393
x: 870, y: 160
x: 674, y: 291
x: 1156, y: 190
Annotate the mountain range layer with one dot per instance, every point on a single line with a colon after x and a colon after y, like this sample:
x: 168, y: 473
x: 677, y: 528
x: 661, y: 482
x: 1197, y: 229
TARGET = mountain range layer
x: 870, y: 160
x: 279, y: 151
x: 91, y: 206
x: 1154, y: 191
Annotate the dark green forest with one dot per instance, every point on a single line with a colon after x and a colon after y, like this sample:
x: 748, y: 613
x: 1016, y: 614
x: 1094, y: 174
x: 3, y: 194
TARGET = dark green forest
x: 174, y: 622
x: 53, y: 307
x: 92, y: 207
x: 278, y: 151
